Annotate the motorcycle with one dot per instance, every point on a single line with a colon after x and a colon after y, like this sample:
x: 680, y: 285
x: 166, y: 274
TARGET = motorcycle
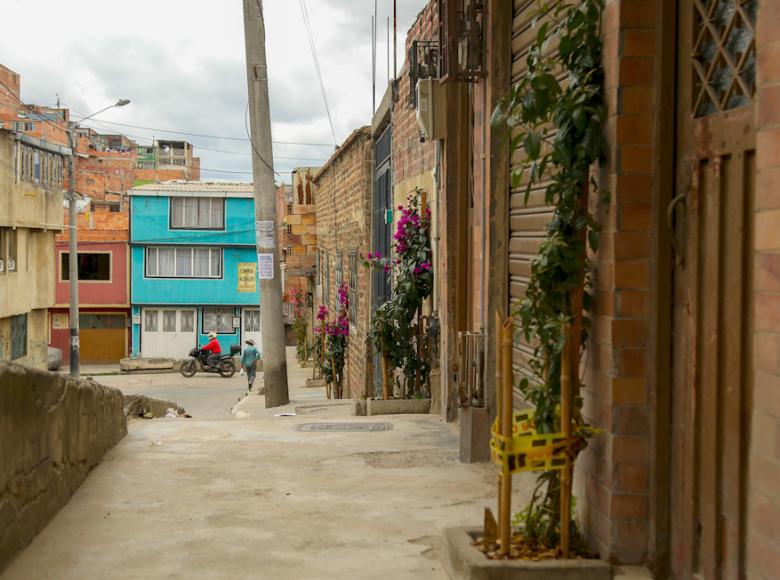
x: 224, y: 365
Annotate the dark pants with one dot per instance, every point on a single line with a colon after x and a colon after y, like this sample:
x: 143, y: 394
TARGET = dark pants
x: 212, y: 359
x: 251, y: 372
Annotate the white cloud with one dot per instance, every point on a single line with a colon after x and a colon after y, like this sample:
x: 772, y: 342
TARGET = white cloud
x: 181, y: 63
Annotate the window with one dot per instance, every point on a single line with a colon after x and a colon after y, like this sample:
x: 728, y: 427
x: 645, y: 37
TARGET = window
x: 197, y: 213
x: 251, y: 320
x: 353, y: 283
x: 325, y: 278
x: 18, y: 336
x: 9, y: 246
x: 187, y: 321
x: 218, y: 320
x: 183, y: 262
x: 92, y: 267
x: 150, y: 320
x: 339, y: 270
x: 169, y: 321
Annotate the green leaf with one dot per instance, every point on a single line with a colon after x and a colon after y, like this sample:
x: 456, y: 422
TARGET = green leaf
x: 532, y: 145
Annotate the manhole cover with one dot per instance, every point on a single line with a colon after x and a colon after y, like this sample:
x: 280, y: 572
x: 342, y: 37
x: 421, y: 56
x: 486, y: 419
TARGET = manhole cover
x: 345, y: 427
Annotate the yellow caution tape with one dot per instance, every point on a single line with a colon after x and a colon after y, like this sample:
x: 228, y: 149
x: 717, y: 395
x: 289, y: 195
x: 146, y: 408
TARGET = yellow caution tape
x: 527, y: 450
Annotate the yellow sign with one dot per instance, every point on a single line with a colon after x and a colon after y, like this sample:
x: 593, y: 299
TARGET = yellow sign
x: 527, y: 450
x: 247, y: 277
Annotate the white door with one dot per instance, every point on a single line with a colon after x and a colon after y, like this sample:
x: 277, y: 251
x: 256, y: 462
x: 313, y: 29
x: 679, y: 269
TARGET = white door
x: 250, y: 327
x: 167, y: 332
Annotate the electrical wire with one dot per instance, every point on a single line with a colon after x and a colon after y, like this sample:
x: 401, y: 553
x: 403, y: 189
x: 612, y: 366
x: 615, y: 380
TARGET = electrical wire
x: 248, y: 134
x: 313, y: 48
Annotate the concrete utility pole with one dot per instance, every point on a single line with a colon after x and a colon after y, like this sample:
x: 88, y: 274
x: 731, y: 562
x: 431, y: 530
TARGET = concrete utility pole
x: 73, y: 259
x: 272, y: 323
x: 73, y: 255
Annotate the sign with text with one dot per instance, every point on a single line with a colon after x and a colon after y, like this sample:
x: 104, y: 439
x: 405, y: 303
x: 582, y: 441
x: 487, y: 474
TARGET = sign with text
x: 264, y: 234
x: 247, y: 277
x: 265, y: 266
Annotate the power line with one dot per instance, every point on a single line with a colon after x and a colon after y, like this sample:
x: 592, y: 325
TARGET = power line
x: 211, y: 136
x: 199, y: 146
x: 313, y: 47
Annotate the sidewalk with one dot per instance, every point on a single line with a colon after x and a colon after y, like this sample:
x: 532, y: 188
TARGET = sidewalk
x: 92, y: 370
x: 260, y: 498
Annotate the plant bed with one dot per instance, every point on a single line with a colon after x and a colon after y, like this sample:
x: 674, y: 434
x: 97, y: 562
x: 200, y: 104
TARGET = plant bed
x: 314, y: 383
x: 466, y: 561
x: 359, y: 407
x: 398, y: 406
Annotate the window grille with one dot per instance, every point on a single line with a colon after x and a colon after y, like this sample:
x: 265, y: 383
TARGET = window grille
x: 18, y: 336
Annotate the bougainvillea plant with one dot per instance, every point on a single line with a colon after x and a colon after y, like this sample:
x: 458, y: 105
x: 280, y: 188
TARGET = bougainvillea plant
x: 299, y: 323
x: 336, y: 341
x: 394, y: 329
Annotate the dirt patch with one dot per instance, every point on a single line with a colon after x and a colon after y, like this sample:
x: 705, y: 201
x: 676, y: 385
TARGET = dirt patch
x: 410, y: 459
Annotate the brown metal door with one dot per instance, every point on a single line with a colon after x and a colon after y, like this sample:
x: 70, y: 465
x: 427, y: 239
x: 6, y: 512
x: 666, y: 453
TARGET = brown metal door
x: 712, y: 223
x: 103, y: 338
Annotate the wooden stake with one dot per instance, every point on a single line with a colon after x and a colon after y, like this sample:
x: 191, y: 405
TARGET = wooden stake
x: 499, y: 387
x: 505, y: 515
x: 566, y: 400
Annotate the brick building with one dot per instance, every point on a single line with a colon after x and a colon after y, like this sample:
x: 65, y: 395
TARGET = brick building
x: 295, y: 212
x: 682, y: 371
x: 342, y: 199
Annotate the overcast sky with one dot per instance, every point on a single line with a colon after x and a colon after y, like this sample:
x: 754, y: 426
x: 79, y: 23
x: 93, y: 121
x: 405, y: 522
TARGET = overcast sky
x: 181, y: 63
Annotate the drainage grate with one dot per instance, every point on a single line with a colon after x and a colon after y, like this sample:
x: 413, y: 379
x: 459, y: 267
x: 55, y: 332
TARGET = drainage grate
x: 345, y: 427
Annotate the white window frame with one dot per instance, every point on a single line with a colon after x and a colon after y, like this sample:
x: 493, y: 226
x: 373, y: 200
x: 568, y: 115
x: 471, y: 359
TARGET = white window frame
x: 228, y: 311
x: 202, y: 204
x: 213, y: 274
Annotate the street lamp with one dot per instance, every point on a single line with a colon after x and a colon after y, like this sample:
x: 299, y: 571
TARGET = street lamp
x: 73, y: 258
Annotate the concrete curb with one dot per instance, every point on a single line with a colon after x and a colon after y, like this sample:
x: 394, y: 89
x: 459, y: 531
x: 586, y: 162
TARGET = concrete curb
x: 398, y: 407
x: 465, y: 562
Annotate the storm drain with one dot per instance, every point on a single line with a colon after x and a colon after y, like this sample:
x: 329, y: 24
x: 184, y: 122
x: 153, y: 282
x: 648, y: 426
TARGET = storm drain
x: 345, y: 427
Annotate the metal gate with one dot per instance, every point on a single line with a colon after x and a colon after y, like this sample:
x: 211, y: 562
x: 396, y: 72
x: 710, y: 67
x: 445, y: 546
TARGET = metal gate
x: 527, y: 221
x: 711, y: 217
x: 381, y: 230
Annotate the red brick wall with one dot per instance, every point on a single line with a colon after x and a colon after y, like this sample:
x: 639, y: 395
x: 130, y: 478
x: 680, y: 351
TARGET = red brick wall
x: 615, y: 472
x: 105, y: 172
x: 411, y: 156
x: 763, y: 541
x: 342, y: 202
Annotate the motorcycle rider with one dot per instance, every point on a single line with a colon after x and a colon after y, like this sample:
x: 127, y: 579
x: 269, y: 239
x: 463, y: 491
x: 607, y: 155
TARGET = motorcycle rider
x: 213, y: 348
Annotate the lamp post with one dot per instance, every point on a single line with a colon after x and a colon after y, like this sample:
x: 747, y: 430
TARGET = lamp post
x: 73, y: 258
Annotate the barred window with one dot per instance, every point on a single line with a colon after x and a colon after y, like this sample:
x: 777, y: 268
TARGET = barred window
x: 353, y: 284
x: 18, y: 336
x: 339, y: 273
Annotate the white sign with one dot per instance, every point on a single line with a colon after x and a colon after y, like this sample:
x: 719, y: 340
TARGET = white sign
x: 265, y: 266
x: 264, y: 234
x: 136, y: 319
x: 236, y: 322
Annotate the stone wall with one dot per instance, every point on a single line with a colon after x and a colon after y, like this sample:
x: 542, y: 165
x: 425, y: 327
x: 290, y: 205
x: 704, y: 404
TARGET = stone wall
x: 53, y: 431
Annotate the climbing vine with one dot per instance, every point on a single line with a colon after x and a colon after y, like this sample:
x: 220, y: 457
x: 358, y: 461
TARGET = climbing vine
x: 556, y: 114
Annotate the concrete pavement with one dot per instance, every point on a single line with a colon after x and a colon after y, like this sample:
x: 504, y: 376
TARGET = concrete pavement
x: 268, y: 497
x: 204, y: 395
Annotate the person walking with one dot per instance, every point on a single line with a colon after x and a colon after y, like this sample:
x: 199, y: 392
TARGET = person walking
x: 213, y: 348
x: 249, y: 361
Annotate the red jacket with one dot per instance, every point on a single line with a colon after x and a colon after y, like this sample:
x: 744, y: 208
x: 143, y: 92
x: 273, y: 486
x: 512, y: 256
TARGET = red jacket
x: 213, y: 346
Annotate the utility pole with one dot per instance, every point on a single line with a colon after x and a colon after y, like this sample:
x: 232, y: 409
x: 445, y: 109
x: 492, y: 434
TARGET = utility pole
x: 73, y: 258
x: 272, y: 323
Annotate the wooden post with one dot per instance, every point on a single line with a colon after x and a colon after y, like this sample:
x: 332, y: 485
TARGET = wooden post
x: 499, y: 402
x: 385, y: 377
x: 505, y: 515
x: 566, y: 400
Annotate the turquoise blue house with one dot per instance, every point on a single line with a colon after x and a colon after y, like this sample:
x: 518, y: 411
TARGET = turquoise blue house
x: 193, y: 266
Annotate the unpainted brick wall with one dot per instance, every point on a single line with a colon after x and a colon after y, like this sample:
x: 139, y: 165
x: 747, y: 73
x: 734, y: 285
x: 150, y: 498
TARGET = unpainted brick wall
x: 53, y: 431
x: 411, y: 156
x: 342, y: 202
x: 614, y: 473
x: 763, y: 539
